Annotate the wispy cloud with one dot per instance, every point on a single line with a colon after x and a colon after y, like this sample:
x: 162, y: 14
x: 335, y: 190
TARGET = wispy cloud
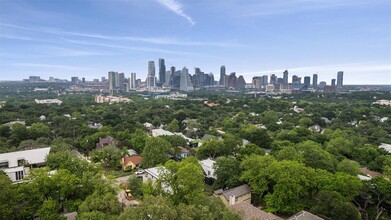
x: 52, y: 66
x: 13, y: 37
x: 276, y: 7
x: 176, y: 7
x: 132, y: 48
x: 151, y: 40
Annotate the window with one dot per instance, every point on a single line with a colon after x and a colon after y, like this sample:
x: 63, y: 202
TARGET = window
x: 4, y: 164
x: 22, y: 162
x: 208, y: 173
x: 19, y: 175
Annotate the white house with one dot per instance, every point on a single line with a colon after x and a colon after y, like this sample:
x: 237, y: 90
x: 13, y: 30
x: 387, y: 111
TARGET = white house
x: 160, y: 132
x: 207, y: 166
x: 14, y: 163
x: 152, y: 174
x: 386, y: 147
x: 48, y: 101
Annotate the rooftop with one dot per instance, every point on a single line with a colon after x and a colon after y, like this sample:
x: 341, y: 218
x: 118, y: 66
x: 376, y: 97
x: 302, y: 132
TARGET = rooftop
x: 34, y: 156
x: 249, y: 212
x: 304, y: 215
x: 159, y: 132
x: 237, y: 191
x: 136, y: 160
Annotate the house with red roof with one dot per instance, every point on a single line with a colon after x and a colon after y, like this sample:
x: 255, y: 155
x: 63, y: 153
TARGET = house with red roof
x: 131, y: 162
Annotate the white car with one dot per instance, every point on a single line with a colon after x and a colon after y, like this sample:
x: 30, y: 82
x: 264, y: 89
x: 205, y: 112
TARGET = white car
x: 139, y: 172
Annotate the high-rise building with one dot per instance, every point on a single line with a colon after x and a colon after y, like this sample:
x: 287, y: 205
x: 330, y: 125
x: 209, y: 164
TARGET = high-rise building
x: 112, y: 80
x: 257, y: 82
x: 240, y: 83
x: 209, y: 79
x: 120, y: 80
x: 273, y: 79
x: 162, y: 71
x: 295, y: 79
x: 333, y: 82
x: 315, y: 81
x: 285, y: 77
x: 322, y: 84
x: 264, y: 80
x: 339, y: 80
x: 74, y: 79
x: 232, y: 80
x: 185, y: 82
x: 151, y: 75
x: 307, y: 80
x: 132, y: 81
x: 198, y: 78
x: 222, y: 75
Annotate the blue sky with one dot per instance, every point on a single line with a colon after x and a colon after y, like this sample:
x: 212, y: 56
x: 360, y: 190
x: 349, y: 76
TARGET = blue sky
x: 88, y: 38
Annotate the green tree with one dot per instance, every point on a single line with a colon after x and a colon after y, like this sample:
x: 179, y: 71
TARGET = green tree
x: 152, y: 208
x: 256, y: 173
x: 135, y: 185
x: 185, y: 180
x: 314, y: 156
x: 292, y: 189
x: 349, y: 167
x: 175, y: 140
x: 210, y: 148
x: 108, y: 156
x: 8, y: 197
x: 50, y: 210
x: 138, y: 140
x: 227, y: 171
x: 289, y: 153
x: 173, y: 126
x: 39, y: 130
x: 155, y: 152
x: 106, y: 203
x: 334, y: 206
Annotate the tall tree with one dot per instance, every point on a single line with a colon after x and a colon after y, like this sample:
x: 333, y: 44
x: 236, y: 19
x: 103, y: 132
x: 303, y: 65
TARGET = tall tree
x: 155, y: 152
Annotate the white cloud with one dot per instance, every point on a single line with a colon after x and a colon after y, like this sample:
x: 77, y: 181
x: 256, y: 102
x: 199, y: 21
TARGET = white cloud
x: 151, y: 40
x: 51, y: 66
x: 177, y: 8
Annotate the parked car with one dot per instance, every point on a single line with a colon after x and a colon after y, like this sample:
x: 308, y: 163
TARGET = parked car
x: 139, y: 172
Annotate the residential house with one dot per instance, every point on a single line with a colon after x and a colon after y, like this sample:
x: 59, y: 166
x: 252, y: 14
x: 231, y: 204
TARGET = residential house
x: 160, y: 132
x: 304, y: 215
x: 250, y: 212
x: 153, y: 174
x: 386, y: 147
x: 106, y: 141
x: 16, y: 164
x: 207, y: 166
x: 235, y: 195
x: 131, y: 162
x: 369, y: 173
x: 183, y: 153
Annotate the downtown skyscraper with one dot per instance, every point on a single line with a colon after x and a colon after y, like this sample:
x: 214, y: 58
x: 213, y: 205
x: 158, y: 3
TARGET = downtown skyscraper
x: 339, y: 80
x: 315, y: 81
x: 162, y: 71
x: 222, y: 75
x: 151, y: 75
x: 133, y: 80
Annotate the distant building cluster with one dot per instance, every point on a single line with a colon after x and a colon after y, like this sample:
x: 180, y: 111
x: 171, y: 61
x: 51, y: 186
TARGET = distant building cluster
x: 297, y: 84
x: 173, y: 96
x: 383, y: 102
x: 112, y: 99
x: 48, y: 101
x: 161, y: 78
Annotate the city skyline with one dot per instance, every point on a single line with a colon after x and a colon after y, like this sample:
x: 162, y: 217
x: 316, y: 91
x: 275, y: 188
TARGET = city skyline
x: 57, y: 39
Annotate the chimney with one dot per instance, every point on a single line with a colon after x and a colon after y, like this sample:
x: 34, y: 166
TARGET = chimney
x: 232, y: 199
